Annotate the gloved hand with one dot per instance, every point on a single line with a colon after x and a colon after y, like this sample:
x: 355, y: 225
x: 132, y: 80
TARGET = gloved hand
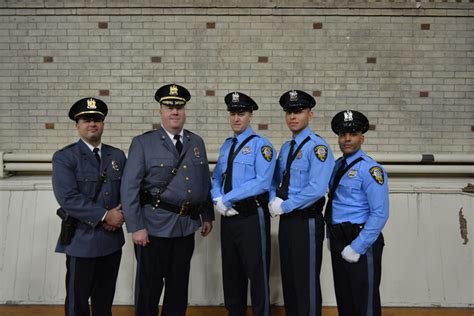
x: 231, y: 212
x: 350, y: 255
x: 275, y: 207
x: 221, y: 208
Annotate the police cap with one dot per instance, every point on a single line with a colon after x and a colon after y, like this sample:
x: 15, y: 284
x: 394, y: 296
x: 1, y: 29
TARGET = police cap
x: 172, y: 94
x: 239, y: 102
x: 88, y: 108
x: 349, y: 121
x: 296, y: 100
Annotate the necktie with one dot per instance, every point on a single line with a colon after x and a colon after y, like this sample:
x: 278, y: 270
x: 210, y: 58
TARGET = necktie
x: 332, y: 190
x: 96, y: 154
x: 228, y: 172
x: 179, y: 144
x: 285, y: 183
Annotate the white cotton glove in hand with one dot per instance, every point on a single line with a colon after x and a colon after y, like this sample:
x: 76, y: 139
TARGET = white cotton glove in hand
x: 275, y: 207
x: 221, y: 208
x: 350, y: 255
x: 231, y: 212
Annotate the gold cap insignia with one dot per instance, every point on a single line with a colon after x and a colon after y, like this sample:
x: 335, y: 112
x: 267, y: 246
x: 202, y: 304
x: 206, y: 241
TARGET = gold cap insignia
x: 173, y: 90
x: 91, y: 104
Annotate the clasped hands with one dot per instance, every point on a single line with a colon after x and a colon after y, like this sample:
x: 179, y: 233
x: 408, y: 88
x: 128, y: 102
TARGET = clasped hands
x: 224, y: 210
x: 113, y: 219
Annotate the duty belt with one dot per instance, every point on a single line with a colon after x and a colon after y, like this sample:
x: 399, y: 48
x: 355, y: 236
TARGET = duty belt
x: 154, y: 200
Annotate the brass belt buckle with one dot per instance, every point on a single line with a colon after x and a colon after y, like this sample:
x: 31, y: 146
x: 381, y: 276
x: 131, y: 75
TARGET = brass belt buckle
x: 184, y: 209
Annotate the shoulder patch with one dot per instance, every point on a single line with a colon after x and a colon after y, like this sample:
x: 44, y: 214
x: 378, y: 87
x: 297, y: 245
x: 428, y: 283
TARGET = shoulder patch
x: 377, y: 174
x: 321, y: 152
x: 267, y: 153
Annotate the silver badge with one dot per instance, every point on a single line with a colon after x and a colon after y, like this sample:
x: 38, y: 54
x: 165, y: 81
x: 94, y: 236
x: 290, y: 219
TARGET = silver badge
x: 348, y: 116
x: 352, y: 173
x: 293, y: 95
x: 196, y: 152
x: 115, y: 165
x: 235, y: 97
x: 245, y: 150
x: 299, y: 155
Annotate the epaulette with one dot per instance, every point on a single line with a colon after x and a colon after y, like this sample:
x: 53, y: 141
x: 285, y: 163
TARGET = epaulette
x: 68, y: 146
x: 150, y: 131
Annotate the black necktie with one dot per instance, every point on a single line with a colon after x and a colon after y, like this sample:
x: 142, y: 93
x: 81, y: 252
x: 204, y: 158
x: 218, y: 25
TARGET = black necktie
x: 179, y: 144
x: 228, y: 172
x: 285, y: 183
x: 332, y: 190
x: 96, y: 154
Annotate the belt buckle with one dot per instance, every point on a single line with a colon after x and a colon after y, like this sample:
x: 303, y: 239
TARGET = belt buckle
x: 184, y: 209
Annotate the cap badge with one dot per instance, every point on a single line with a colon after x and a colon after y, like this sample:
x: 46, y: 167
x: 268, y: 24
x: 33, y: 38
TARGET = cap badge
x: 348, y: 116
x: 173, y: 90
x: 91, y: 104
x: 293, y: 95
x: 235, y: 97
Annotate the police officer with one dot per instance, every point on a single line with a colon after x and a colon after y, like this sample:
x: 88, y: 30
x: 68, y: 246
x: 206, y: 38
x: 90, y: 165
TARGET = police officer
x: 166, y: 198
x: 241, y: 181
x: 356, y: 212
x: 300, y: 183
x: 86, y: 183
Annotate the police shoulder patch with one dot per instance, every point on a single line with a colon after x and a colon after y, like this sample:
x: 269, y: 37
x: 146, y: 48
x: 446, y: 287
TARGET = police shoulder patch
x: 321, y: 152
x: 377, y: 174
x: 267, y: 153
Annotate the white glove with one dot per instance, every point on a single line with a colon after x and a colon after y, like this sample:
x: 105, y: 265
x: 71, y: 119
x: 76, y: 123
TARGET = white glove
x: 350, y: 255
x: 275, y: 207
x: 221, y: 208
x: 231, y: 212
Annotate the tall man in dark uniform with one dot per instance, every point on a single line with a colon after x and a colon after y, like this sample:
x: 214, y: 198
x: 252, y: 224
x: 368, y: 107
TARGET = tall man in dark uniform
x: 166, y: 198
x: 86, y: 183
x: 241, y: 181
x: 300, y: 183
x: 356, y: 213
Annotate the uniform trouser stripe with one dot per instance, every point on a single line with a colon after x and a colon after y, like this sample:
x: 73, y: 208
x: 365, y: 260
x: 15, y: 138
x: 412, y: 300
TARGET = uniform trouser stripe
x: 71, y: 293
x: 138, y: 250
x: 370, y: 276
x: 263, y: 241
x: 312, y: 266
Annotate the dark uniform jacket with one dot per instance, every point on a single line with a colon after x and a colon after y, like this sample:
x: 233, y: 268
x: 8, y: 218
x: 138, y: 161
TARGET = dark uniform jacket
x: 151, y: 158
x: 76, y: 175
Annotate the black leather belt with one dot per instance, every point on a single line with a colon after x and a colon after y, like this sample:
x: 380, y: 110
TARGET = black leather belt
x: 313, y: 211
x: 154, y: 200
x: 345, y: 232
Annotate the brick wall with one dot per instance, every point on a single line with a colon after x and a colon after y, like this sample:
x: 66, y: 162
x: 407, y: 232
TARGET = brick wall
x: 409, y: 69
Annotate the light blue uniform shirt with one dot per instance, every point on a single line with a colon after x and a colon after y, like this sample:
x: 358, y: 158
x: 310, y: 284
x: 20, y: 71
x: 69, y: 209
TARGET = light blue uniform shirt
x: 252, y: 169
x: 310, y: 171
x: 362, y: 198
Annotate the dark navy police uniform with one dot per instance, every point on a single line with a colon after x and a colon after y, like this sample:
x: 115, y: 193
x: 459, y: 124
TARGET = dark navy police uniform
x: 93, y: 255
x: 358, y: 212
x: 301, y: 229
x: 170, y: 204
x: 245, y: 237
